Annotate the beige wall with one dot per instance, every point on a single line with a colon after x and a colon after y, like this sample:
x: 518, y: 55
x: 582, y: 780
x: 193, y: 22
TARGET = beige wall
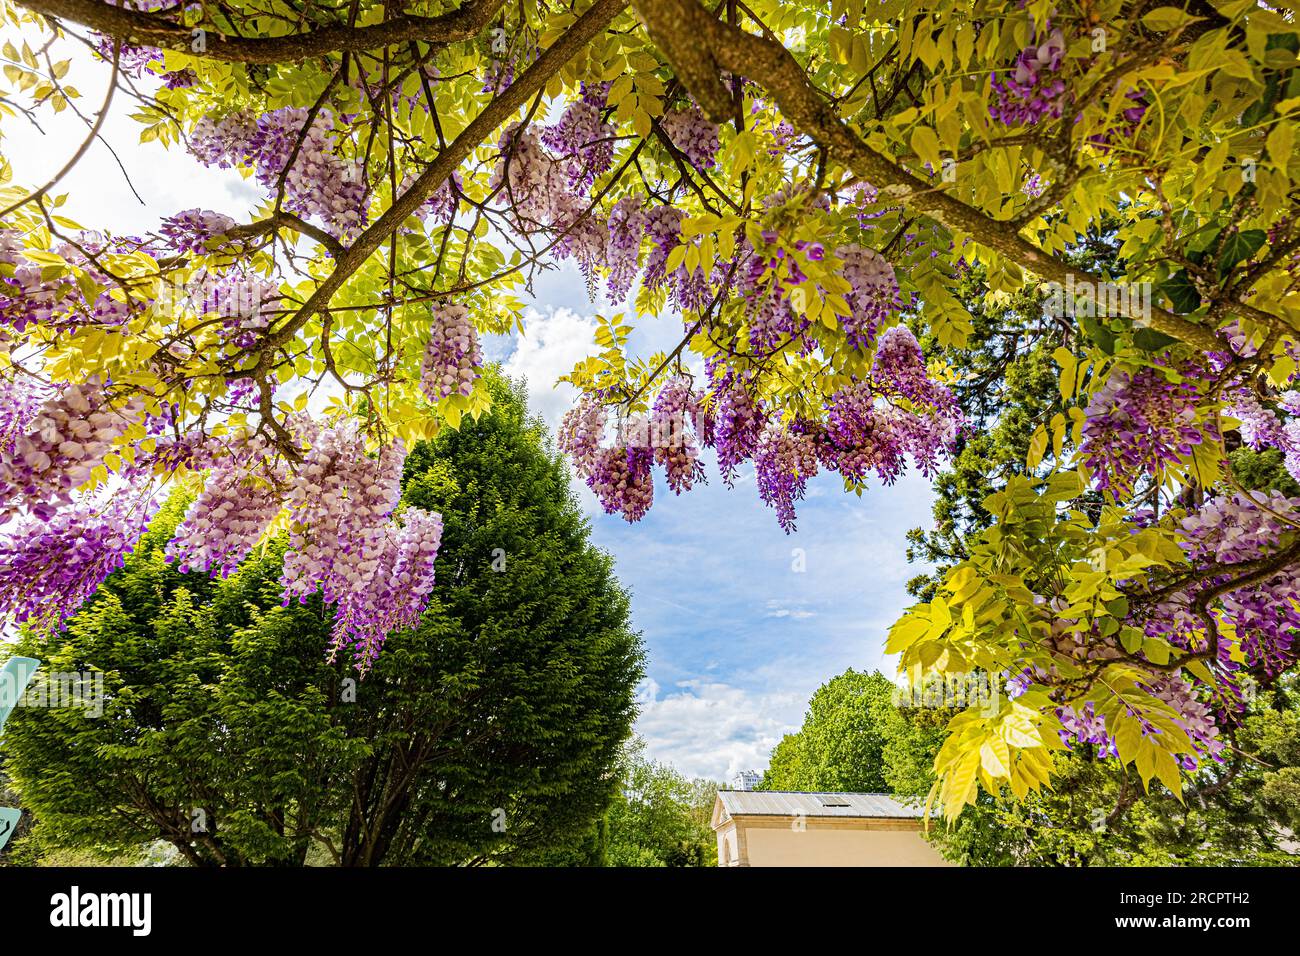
x: 759, y: 841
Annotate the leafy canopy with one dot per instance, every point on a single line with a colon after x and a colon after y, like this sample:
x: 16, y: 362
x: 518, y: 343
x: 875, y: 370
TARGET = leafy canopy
x: 794, y: 181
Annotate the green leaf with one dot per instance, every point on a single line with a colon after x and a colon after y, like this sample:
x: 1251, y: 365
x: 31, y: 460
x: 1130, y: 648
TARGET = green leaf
x: 1239, y: 247
x: 1166, y: 19
x: 1149, y: 340
x: 1098, y: 333
x: 1181, y: 291
x: 926, y: 145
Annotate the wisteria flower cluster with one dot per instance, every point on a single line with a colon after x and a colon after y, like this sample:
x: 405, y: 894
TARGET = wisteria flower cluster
x: 544, y: 179
x: 583, y: 142
x: 627, y: 224
x: 1140, y: 421
x: 62, y: 541
x: 343, y: 544
x: 1083, y: 725
x: 194, y: 229
x: 20, y: 400
x: 320, y: 183
x: 395, y: 594
x: 694, y: 134
x: 875, y: 296
x: 870, y: 426
x: 675, y: 449
x: 59, y: 447
x: 1264, y: 614
x: 1031, y: 91
x: 239, y: 500
x: 1263, y: 427
x: 452, y: 358
x: 1080, y: 722
x: 50, y: 565
x: 29, y: 298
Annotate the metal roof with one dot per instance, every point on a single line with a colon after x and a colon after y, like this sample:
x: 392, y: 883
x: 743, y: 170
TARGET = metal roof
x: 785, y: 803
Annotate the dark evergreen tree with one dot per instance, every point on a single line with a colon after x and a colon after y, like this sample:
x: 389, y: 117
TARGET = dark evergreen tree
x: 489, y: 733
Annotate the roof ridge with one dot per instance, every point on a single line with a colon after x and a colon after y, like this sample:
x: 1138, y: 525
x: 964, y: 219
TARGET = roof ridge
x: 838, y: 793
x: 824, y: 803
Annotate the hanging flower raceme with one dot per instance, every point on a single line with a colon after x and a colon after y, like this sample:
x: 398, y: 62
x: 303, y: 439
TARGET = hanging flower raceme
x: 50, y: 565
x: 627, y: 224
x: 737, y: 420
x: 397, y: 590
x: 194, y: 230
x: 783, y: 462
x: 1140, y: 421
x: 452, y: 358
x: 688, y: 289
x: 582, y: 430
x: 1258, y: 620
x: 1177, y: 701
x: 320, y: 183
x: 223, y: 142
x: 620, y: 475
x: 675, y: 449
x: 240, y: 498
x: 20, y: 400
x: 623, y: 481
x: 528, y: 180
x: 1260, y: 427
x: 28, y: 299
x: 870, y: 426
x: 694, y: 135
x: 60, y: 446
x: 584, y: 143
x: 1083, y: 725
x: 860, y: 437
x: 875, y: 297
x: 343, y: 541
x: 1031, y: 91
x: 337, y: 503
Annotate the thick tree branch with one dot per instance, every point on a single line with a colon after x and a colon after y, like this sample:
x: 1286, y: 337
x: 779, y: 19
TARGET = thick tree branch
x: 699, y: 46
x: 532, y: 81
x: 151, y: 29
x: 280, y: 218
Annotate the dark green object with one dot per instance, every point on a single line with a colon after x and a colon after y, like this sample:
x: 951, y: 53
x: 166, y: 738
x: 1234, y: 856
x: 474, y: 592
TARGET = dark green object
x: 490, y: 734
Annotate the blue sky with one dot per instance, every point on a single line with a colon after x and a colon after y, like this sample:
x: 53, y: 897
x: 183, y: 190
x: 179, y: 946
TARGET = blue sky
x: 737, y: 639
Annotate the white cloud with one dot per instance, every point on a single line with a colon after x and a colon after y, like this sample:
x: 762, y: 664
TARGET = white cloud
x: 787, y: 609
x: 168, y: 180
x: 712, y: 729
x: 555, y: 341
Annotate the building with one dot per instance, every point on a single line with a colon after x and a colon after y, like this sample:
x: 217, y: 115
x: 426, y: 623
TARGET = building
x: 785, y: 828
x: 746, y: 780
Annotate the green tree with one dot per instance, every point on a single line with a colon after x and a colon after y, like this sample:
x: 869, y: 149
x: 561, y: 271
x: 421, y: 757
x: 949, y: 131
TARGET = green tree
x: 489, y: 733
x: 660, y: 818
x: 1096, y: 813
x: 840, y: 746
x: 785, y: 770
